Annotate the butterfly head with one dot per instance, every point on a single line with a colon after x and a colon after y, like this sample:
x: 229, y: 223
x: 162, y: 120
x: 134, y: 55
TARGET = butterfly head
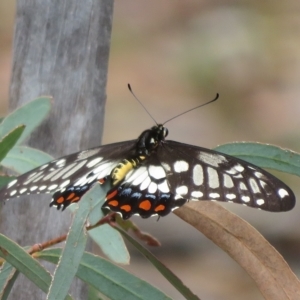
x: 150, y: 139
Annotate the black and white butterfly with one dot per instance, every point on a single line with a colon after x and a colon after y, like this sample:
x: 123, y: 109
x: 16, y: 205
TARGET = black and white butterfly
x: 153, y: 176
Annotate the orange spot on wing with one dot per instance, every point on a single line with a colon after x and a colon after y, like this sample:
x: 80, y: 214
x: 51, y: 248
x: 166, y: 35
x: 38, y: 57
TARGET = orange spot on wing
x: 111, y: 195
x: 75, y: 199
x: 60, y: 200
x: 113, y: 203
x: 160, y: 207
x: 70, y: 196
x: 145, y: 205
x: 126, y: 207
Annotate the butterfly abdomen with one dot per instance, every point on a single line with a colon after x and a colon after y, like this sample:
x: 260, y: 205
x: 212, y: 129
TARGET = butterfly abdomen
x: 124, y: 167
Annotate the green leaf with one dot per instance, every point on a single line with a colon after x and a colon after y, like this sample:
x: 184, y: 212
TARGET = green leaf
x: 167, y: 273
x: 111, y: 243
x: 8, y: 276
x: 4, y: 180
x: 74, y: 248
x: 108, y: 239
x: 112, y: 281
x: 8, y: 141
x: 30, y: 115
x: 22, y: 261
x: 22, y: 159
x: 265, y: 156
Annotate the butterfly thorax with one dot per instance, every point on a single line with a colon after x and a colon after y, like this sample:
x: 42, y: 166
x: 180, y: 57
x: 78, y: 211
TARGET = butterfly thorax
x: 146, y: 144
x: 149, y: 139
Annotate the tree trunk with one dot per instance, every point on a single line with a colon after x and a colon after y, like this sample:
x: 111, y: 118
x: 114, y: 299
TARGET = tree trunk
x: 61, y: 48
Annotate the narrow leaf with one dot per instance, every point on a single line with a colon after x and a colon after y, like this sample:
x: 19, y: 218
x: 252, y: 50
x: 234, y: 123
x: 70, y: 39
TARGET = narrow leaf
x: 73, y: 250
x: 22, y: 261
x: 109, y: 240
x: 30, y: 115
x: 111, y: 243
x: 8, y: 276
x: 22, y: 159
x: 246, y: 245
x: 8, y: 141
x: 112, y: 281
x: 167, y: 273
x: 265, y: 156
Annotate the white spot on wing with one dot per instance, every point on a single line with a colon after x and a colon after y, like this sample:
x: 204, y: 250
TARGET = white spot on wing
x: 12, y: 193
x: 52, y: 187
x: 60, y: 163
x: 12, y: 183
x: 166, y: 166
x: 51, y: 174
x: 87, y: 153
x: 77, y: 167
x: 196, y: 194
x: 214, y: 195
x: 93, y: 162
x: 260, y: 201
x: 282, y: 193
x: 212, y: 159
x: 152, y: 188
x: 230, y: 196
x: 140, y: 178
x: 245, y: 198
x: 182, y: 190
x: 33, y: 188
x: 213, y: 179
x: 43, y: 167
x: 228, y: 183
x: 65, y: 183
x: 43, y: 187
x: 258, y: 174
x: 156, y: 172
x: 38, y: 178
x: 243, y: 186
x: 23, y: 190
x: 254, y: 185
x: 163, y: 187
x: 198, y: 175
x: 145, y: 183
x: 181, y: 166
x: 239, y: 168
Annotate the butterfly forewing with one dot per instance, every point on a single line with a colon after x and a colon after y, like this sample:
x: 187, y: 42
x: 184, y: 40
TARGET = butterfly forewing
x: 76, y: 168
x: 202, y: 174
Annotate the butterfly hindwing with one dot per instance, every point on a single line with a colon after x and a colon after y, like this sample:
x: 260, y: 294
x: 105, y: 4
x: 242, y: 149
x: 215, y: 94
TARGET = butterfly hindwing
x: 145, y: 191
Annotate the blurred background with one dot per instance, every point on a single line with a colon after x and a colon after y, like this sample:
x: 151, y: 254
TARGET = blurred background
x: 177, y: 55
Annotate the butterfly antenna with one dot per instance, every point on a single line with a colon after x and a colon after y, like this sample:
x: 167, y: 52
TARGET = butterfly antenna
x: 213, y: 100
x: 137, y: 99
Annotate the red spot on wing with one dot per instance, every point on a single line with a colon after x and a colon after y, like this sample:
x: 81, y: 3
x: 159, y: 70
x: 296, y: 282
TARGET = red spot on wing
x: 60, y: 200
x: 126, y: 207
x: 114, y: 203
x: 75, y: 199
x: 70, y: 196
x: 111, y: 195
x: 145, y: 205
x: 160, y: 207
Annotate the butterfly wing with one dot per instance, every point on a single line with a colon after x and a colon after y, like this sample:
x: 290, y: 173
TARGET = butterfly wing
x: 197, y: 173
x: 145, y: 191
x: 78, y: 169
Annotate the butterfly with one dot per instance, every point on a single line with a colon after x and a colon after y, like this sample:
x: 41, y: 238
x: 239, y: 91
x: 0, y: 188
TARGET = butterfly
x: 153, y: 176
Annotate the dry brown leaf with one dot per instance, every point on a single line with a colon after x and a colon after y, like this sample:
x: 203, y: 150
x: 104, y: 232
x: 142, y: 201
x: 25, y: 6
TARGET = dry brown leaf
x: 246, y: 245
